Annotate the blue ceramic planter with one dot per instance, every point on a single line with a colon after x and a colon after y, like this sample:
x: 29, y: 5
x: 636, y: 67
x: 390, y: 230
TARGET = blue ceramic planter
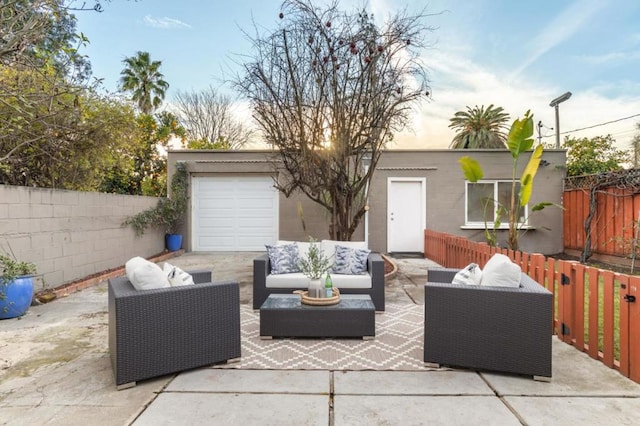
x: 173, y: 242
x: 17, y: 297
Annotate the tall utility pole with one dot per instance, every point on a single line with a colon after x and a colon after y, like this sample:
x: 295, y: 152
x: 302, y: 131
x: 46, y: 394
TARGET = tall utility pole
x: 540, y: 126
x: 555, y: 103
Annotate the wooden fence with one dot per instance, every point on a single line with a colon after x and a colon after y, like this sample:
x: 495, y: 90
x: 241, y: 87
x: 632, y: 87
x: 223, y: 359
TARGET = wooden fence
x: 594, y: 309
x: 613, y: 226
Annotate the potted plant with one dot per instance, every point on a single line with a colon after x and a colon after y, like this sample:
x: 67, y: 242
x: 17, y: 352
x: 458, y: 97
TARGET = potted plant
x: 16, y: 286
x: 168, y: 213
x: 314, y: 265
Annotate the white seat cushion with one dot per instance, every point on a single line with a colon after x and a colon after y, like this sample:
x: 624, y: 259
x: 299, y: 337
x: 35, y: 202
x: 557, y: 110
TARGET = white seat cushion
x: 299, y: 281
x: 294, y: 280
x: 351, y: 281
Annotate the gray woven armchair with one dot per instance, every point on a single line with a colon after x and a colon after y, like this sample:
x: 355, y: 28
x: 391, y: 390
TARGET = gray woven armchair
x: 157, y: 332
x: 488, y: 328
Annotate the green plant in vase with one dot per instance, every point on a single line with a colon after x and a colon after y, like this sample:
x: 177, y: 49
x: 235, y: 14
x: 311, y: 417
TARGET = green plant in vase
x: 169, y: 212
x: 16, y: 286
x: 314, y: 265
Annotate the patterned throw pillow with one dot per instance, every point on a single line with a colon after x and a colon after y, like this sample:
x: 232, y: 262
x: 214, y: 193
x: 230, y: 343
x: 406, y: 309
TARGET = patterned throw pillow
x: 349, y: 261
x: 284, y: 258
x: 177, y: 276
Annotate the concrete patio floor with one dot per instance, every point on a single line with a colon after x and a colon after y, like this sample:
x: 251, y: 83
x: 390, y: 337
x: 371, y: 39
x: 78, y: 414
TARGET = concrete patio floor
x: 55, y: 369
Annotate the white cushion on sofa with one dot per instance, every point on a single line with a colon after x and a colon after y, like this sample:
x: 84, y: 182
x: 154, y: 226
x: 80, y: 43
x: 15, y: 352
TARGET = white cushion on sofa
x: 299, y: 281
x: 351, y: 281
x: 145, y: 275
x: 500, y: 271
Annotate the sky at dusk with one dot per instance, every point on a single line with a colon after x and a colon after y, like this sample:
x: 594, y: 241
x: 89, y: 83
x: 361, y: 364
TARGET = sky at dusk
x: 514, y: 54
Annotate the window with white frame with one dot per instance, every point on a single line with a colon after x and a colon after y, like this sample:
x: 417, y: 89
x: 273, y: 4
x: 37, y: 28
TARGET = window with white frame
x: 487, y: 198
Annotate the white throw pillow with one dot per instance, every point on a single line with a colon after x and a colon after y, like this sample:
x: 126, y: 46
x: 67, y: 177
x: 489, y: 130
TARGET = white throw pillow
x: 132, y: 264
x: 145, y: 275
x: 470, y: 275
x: 500, y: 271
x: 177, y: 276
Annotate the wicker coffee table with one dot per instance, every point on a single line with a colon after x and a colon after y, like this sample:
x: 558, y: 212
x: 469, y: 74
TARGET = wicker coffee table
x: 283, y: 315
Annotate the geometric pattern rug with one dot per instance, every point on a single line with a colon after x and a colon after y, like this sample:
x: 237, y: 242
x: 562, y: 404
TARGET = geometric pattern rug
x: 397, y: 345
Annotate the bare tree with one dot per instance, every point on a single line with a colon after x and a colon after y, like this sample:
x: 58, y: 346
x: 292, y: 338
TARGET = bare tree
x: 209, y: 117
x: 329, y: 89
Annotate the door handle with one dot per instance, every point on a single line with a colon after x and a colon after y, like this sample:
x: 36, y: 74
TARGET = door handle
x: 629, y: 298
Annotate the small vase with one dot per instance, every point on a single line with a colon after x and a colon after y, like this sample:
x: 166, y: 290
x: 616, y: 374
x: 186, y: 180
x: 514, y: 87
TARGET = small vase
x: 316, y: 289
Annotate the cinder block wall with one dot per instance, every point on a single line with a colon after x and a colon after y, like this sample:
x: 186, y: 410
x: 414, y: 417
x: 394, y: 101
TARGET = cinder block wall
x: 71, y: 235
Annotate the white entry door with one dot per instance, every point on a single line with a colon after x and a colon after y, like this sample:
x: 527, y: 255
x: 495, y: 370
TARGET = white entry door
x: 406, y: 214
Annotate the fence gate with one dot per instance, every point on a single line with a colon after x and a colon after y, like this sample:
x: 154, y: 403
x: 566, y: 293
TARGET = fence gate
x: 630, y: 325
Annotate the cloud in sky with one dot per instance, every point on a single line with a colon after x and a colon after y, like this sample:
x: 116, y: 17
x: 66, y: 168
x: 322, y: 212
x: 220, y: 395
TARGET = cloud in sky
x: 164, y: 23
x: 516, y: 55
x: 560, y: 29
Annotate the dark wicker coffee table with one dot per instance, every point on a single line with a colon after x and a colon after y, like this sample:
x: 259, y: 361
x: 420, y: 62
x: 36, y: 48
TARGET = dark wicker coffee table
x: 283, y: 315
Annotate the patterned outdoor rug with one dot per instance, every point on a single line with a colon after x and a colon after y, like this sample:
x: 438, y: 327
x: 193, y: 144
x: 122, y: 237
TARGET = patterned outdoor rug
x: 397, y: 345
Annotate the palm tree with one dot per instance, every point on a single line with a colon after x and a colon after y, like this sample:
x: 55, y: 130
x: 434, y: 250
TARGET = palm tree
x: 142, y: 78
x: 479, y: 128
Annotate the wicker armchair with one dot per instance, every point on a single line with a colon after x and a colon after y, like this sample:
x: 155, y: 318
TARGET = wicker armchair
x: 488, y: 328
x: 163, y: 331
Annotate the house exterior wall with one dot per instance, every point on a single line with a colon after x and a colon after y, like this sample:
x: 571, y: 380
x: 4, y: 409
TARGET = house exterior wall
x: 70, y: 235
x: 445, y: 198
x: 445, y: 192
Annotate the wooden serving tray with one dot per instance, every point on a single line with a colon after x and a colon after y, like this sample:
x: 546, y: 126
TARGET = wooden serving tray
x: 319, y: 301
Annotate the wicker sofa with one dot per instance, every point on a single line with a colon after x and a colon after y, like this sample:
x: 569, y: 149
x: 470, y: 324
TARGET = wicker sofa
x: 488, y: 328
x: 163, y: 331
x: 265, y: 283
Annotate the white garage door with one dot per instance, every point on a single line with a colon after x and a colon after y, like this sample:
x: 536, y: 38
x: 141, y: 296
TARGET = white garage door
x: 234, y: 213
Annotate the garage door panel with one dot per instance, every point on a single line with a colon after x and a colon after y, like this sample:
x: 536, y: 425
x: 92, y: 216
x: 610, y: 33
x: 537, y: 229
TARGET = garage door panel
x: 249, y: 212
x: 259, y: 222
x: 217, y: 222
x: 216, y: 202
x: 219, y: 241
x: 234, y: 213
x: 216, y: 214
x: 258, y: 202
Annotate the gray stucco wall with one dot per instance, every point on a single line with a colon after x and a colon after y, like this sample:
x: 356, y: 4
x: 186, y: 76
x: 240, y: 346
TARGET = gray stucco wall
x: 70, y: 235
x: 445, y: 192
